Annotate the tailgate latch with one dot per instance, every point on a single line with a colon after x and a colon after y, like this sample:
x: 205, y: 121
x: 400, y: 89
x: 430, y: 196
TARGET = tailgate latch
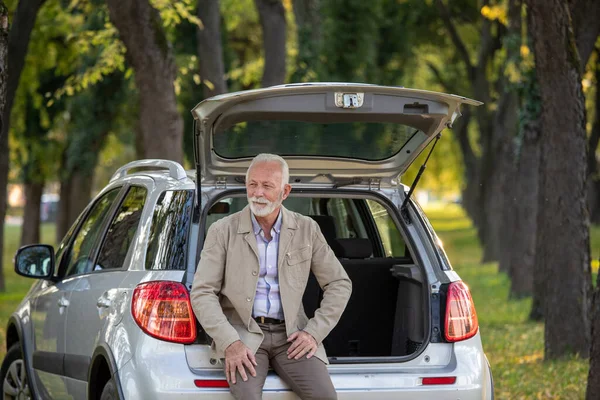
x: 349, y: 100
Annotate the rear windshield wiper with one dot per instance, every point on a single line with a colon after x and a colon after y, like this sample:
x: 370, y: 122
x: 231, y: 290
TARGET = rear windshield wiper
x: 404, y: 206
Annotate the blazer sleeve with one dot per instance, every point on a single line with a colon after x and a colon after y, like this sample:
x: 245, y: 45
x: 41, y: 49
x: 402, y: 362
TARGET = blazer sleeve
x: 335, y: 283
x: 206, y: 287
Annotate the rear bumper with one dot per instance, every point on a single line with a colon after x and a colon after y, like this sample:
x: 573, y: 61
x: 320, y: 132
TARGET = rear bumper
x: 159, y: 370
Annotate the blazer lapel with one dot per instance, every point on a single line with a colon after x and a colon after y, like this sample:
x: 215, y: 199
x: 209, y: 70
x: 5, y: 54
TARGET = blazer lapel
x: 288, y: 229
x: 245, y: 226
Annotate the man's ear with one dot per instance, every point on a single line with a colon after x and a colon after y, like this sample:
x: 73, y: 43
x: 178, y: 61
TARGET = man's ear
x: 287, y: 188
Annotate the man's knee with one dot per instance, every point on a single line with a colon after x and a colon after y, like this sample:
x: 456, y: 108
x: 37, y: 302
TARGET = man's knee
x: 245, y: 392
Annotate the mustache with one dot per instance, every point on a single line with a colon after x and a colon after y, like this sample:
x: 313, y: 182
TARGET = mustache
x: 260, y: 200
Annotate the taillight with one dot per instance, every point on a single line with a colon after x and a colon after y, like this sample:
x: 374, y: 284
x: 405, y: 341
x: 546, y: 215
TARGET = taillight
x: 163, y: 310
x: 461, y: 317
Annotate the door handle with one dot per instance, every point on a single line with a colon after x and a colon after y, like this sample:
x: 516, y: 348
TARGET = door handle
x: 103, y: 302
x: 62, y: 302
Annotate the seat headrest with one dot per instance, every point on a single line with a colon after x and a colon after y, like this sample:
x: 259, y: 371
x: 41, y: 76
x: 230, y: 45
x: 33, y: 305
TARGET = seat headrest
x: 355, y: 248
x: 327, y: 225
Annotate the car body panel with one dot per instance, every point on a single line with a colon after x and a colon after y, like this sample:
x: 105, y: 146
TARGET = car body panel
x: 50, y: 305
x: 100, y: 307
x: 464, y: 360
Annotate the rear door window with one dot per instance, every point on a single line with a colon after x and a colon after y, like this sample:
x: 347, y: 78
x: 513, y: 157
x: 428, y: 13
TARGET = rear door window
x: 348, y: 224
x: 393, y: 243
x: 169, y: 232
x: 79, y: 260
x: 122, y: 230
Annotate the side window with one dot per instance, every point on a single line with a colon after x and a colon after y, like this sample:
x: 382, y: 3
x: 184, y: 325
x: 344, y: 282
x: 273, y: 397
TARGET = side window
x: 393, y: 244
x: 122, y: 230
x: 439, y: 247
x: 348, y: 223
x: 168, y: 241
x: 79, y: 259
x: 60, y: 251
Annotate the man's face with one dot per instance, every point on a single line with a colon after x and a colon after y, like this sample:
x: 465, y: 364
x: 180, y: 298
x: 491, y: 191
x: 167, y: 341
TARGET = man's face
x: 264, y: 190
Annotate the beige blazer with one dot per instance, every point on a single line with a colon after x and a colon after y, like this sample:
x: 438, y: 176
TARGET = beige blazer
x: 225, y: 281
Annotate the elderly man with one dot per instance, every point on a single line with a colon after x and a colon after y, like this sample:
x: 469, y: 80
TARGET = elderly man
x: 248, y: 288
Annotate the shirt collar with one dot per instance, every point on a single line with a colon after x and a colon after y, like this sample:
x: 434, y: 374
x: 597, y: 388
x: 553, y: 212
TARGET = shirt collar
x: 276, y: 226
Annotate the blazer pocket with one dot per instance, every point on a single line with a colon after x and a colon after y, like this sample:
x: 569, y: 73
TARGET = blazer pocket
x: 298, y: 256
x: 298, y: 265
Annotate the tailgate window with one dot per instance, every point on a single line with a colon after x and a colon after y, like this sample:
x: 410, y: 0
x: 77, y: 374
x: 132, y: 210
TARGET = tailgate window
x: 371, y: 141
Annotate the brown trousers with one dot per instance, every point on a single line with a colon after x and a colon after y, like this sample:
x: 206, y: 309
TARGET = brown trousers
x: 308, y: 377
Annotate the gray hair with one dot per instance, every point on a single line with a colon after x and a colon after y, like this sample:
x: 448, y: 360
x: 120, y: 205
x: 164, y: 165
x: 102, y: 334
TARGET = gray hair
x: 266, y: 157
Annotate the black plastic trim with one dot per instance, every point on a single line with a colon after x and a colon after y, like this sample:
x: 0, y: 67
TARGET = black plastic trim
x: 76, y: 366
x: 53, y: 363
x: 105, y: 352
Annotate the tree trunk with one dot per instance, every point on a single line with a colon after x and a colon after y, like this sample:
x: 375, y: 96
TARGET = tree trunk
x: 30, y: 233
x: 483, y: 197
x: 593, y: 383
x: 3, y: 59
x: 62, y: 215
x: 563, y: 223
x: 272, y: 21
x: 585, y: 15
x: 210, y: 49
x: 79, y: 195
x: 3, y: 137
x: 506, y: 126
x: 75, y: 194
x: 150, y: 54
x: 521, y: 261
x: 592, y: 163
x: 18, y: 43
x: 308, y: 28
x: 508, y: 214
x: 470, y: 192
x: 500, y: 157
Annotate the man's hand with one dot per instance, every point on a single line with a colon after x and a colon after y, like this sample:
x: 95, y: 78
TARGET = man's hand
x: 238, y: 356
x: 302, y: 343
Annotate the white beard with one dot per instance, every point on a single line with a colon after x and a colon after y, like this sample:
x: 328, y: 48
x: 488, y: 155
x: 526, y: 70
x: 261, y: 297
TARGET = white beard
x: 268, y: 208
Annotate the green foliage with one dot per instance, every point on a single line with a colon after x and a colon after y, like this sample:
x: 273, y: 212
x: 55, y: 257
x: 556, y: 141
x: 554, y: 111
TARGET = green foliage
x: 390, y: 42
x: 350, y: 28
x: 34, y: 148
x: 91, y: 121
x: 243, y: 53
x: 443, y: 172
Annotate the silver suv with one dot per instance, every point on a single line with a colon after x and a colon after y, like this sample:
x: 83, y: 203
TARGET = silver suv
x: 109, y: 316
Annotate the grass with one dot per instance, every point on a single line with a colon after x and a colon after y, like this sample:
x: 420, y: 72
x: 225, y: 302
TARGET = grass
x: 16, y: 286
x: 514, y: 346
